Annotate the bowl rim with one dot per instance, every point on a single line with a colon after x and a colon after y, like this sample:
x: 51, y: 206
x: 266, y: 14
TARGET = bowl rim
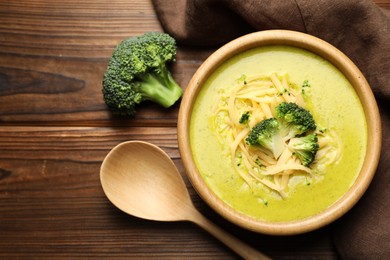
x: 344, y: 65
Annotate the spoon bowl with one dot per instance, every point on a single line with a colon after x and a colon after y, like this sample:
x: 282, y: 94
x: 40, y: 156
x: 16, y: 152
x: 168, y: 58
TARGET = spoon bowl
x: 138, y: 188
x: 140, y: 179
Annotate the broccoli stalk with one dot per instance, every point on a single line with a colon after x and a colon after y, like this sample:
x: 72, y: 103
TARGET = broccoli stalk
x: 305, y: 148
x: 137, y: 71
x: 266, y: 134
x: 160, y: 88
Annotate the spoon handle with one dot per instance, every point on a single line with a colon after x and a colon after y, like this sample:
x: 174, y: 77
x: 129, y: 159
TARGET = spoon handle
x: 242, y: 249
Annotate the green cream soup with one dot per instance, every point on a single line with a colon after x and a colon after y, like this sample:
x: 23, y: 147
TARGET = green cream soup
x: 333, y: 103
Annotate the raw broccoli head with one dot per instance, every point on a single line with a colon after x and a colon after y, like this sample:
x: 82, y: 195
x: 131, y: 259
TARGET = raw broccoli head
x: 137, y: 71
x: 295, y: 120
x: 305, y: 148
x: 266, y: 134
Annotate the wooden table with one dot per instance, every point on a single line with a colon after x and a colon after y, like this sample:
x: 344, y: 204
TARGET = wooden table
x: 55, y: 130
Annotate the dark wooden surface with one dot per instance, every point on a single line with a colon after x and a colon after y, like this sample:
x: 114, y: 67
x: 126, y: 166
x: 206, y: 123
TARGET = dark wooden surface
x: 55, y: 130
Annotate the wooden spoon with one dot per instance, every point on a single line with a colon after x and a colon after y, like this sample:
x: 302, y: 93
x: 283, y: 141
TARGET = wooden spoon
x: 140, y: 179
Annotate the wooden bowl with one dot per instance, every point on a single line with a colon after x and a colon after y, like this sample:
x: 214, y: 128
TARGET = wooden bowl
x: 343, y: 64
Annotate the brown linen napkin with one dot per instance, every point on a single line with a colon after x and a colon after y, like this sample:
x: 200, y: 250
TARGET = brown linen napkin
x: 360, y: 29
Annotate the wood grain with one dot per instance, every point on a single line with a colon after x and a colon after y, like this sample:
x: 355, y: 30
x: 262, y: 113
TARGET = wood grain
x: 52, y: 203
x: 53, y: 56
x: 55, y: 131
